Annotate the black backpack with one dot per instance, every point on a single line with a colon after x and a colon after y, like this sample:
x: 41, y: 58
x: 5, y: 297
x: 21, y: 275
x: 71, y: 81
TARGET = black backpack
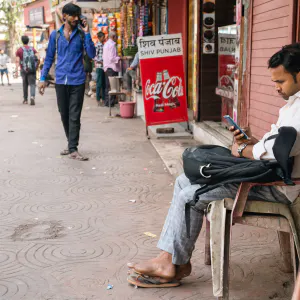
x: 213, y: 166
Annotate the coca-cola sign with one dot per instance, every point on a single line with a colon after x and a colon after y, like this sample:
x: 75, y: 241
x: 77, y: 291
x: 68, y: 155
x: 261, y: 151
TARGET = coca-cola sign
x: 162, y: 73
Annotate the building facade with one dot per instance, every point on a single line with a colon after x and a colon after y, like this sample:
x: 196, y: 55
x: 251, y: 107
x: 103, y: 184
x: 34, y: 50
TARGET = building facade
x: 262, y: 27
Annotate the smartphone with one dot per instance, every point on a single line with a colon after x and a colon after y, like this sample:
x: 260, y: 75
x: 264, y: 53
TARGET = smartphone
x: 236, y: 126
x: 81, y: 18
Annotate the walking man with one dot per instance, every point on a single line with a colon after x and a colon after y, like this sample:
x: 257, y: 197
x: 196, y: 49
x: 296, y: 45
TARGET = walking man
x: 111, y: 63
x: 72, y: 41
x: 100, y: 91
x: 4, y: 60
x: 174, y: 261
x: 28, y: 61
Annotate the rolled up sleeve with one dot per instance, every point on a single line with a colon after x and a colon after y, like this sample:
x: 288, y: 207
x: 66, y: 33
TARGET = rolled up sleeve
x: 259, y: 150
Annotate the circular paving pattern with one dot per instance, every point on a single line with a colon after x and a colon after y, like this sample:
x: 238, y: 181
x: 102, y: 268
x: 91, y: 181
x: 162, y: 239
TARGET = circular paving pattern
x: 68, y: 228
x: 55, y: 208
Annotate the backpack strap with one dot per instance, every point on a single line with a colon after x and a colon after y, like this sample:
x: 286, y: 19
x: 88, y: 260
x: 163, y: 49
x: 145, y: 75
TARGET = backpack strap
x: 82, y: 37
x: 57, y: 35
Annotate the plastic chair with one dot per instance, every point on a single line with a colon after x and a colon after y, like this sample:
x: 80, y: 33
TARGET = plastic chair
x: 221, y: 215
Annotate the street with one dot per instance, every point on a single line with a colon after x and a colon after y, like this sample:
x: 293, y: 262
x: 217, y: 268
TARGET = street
x: 68, y: 228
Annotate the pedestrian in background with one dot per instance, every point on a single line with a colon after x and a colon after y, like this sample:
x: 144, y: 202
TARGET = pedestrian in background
x: 100, y: 91
x: 73, y: 41
x: 28, y: 61
x: 111, y: 64
x: 4, y: 60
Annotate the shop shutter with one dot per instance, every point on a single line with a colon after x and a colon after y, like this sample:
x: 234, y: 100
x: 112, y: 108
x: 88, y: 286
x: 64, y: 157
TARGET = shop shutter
x: 272, y: 29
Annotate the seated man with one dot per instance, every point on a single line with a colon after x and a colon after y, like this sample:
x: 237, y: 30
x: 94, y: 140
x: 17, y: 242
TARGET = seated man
x: 174, y: 262
x: 130, y: 74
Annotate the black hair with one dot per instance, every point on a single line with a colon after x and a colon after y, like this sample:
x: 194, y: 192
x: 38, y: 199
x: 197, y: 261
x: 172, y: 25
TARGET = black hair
x: 71, y: 10
x: 100, y: 34
x: 289, y: 58
x: 25, y: 39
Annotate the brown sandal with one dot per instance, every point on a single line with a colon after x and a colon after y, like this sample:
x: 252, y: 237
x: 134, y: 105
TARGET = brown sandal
x: 144, y: 281
x: 65, y: 152
x: 77, y: 156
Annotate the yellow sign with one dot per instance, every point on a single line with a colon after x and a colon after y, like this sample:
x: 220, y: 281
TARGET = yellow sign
x: 55, y: 2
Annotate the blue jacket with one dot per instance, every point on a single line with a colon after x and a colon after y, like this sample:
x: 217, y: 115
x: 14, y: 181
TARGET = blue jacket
x: 69, y: 67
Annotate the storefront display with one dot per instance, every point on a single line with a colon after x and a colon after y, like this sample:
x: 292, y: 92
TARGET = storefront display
x: 136, y: 21
x: 107, y: 22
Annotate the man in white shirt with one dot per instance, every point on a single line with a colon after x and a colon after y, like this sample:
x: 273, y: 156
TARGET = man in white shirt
x: 4, y: 60
x: 173, y: 263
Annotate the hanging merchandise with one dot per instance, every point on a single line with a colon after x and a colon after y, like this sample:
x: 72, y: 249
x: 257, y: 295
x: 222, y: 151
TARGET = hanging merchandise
x: 142, y: 19
x: 146, y: 19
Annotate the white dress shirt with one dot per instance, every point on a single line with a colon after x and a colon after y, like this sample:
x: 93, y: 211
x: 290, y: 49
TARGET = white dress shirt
x: 289, y: 115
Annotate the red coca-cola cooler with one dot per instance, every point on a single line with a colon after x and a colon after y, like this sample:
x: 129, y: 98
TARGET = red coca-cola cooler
x: 162, y: 74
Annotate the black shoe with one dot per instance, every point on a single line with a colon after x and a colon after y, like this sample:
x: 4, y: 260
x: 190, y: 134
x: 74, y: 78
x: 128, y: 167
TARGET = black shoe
x: 32, y: 102
x: 25, y: 102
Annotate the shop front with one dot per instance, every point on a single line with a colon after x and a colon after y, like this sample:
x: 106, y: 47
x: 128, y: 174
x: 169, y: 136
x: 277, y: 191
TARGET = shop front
x: 230, y: 74
x: 214, y: 19
x: 38, y: 20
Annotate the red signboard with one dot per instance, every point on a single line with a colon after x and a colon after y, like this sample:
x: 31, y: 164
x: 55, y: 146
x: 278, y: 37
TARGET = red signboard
x: 162, y: 74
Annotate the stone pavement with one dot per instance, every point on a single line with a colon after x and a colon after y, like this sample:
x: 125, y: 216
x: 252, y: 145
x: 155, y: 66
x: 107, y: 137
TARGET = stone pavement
x: 68, y: 228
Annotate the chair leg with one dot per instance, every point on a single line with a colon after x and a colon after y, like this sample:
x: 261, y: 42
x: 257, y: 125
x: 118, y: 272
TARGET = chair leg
x: 226, y: 259
x: 220, y: 231
x: 227, y: 240
x: 294, y: 257
x: 285, y: 249
x: 207, y: 259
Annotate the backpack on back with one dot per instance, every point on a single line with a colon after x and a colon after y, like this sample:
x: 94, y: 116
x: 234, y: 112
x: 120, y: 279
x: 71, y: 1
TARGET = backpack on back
x: 29, y: 60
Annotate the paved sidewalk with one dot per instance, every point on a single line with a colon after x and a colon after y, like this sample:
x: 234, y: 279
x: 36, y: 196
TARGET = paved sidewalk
x: 68, y: 228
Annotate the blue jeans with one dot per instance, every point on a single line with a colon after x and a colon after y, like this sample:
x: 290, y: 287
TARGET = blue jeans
x: 174, y: 238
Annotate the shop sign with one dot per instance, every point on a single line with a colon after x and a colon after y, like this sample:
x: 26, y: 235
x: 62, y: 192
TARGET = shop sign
x: 36, y: 16
x: 162, y: 74
x: 227, y: 44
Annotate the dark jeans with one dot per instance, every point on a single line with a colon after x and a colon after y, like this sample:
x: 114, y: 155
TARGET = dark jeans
x: 100, y: 91
x: 109, y: 73
x: 70, y: 100
x: 28, y: 79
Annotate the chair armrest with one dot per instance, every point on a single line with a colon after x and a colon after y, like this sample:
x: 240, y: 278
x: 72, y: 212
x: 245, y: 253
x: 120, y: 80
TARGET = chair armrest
x: 243, y: 192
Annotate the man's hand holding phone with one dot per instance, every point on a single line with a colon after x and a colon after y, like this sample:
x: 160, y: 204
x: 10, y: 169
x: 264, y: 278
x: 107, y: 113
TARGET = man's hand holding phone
x: 84, y: 24
x: 239, y: 138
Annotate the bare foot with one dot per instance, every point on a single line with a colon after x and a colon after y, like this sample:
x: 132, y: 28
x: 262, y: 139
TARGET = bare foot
x: 183, y: 271
x: 160, y: 266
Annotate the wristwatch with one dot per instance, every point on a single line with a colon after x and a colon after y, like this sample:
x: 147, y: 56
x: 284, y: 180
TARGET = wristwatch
x: 241, y: 149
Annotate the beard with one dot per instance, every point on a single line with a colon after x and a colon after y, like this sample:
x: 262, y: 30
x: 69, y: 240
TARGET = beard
x: 73, y: 24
